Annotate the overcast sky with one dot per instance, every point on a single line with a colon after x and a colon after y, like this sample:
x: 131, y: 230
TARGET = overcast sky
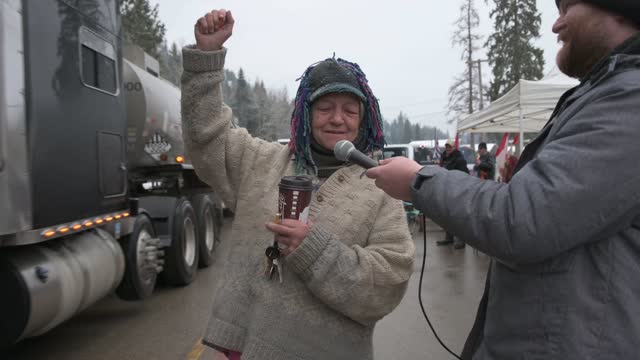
x: 404, y: 48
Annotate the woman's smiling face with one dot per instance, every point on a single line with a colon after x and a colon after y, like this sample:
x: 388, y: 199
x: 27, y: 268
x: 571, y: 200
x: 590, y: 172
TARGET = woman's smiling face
x: 335, y: 117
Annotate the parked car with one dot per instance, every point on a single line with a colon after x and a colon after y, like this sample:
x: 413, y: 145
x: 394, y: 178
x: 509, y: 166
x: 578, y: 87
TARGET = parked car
x: 425, y: 155
x: 394, y: 150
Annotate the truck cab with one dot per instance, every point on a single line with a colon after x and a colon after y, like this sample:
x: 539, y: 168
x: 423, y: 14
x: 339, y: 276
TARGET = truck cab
x: 96, y: 192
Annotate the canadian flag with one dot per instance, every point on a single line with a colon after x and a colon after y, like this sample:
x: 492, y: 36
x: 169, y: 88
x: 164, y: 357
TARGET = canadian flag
x: 501, y: 154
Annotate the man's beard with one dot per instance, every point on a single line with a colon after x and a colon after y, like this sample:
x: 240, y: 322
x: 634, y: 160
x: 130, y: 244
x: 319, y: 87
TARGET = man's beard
x: 580, y: 55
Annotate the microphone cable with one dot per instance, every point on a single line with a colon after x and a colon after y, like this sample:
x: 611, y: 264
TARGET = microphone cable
x: 424, y: 261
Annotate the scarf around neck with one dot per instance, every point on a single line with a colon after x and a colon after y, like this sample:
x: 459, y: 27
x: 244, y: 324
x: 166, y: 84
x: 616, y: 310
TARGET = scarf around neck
x: 325, y: 159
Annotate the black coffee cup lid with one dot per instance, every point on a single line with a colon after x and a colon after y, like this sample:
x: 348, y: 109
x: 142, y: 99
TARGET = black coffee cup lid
x: 301, y: 182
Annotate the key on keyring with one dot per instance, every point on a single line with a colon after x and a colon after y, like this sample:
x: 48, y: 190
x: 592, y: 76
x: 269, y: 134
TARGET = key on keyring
x: 272, y: 270
x: 278, y: 266
x: 268, y: 264
x: 273, y: 254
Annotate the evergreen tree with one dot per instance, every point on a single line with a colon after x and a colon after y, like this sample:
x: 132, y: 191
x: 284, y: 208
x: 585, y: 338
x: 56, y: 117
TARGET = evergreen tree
x: 511, y: 52
x: 175, y: 57
x: 163, y: 60
x: 280, y: 113
x: 397, y: 128
x: 417, y: 133
x: 244, y: 105
x: 266, y: 125
x: 170, y: 63
x: 464, y: 93
x: 229, y: 86
x: 407, y: 131
x: 402, y: 130
x: 142, y: 26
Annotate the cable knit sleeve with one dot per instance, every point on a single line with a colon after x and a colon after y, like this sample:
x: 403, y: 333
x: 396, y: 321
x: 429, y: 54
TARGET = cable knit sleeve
x: 221, y: 154
x: 363, y: 283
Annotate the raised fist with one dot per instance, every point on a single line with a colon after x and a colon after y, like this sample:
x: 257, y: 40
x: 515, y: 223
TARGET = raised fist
x: 213, y: 29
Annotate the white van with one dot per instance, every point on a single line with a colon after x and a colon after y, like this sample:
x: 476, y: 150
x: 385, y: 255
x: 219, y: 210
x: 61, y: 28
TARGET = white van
x: 393, y: 150
x: 421, y: 154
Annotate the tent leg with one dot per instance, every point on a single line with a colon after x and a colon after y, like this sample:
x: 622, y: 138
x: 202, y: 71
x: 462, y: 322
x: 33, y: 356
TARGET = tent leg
x: 521, y: 142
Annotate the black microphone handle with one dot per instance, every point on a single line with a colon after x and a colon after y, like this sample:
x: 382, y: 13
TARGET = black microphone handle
x: 361, y: 159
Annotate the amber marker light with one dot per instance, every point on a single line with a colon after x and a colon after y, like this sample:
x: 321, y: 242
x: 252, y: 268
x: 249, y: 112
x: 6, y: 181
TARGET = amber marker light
x: 76, y: 227
x: 179, y: 159
x: 49, y: 233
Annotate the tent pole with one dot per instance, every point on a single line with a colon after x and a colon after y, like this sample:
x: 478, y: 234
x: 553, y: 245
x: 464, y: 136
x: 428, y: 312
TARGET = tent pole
x: 521, y: 141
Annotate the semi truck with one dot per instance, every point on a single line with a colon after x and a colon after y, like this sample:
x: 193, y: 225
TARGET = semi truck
x: 96, y: 192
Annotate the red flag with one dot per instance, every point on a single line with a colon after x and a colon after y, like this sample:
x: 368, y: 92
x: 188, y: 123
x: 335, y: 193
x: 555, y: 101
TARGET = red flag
x: 501, y: 153
x: 457, y: 142
x: 515, y: 139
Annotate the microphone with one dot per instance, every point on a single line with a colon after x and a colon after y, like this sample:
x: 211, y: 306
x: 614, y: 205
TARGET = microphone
x: 345, y: 151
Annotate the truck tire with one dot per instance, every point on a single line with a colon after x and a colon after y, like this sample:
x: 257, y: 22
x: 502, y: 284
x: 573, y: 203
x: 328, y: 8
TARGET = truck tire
x: 139, y: 280
x: 181, y: 257
x: 209, y: 225
x: 14, y: 309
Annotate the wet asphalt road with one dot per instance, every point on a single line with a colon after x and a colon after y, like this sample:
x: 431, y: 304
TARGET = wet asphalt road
x: 168, y: 326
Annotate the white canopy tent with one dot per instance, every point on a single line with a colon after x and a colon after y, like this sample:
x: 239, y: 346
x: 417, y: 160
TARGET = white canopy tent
x: 525, y: 108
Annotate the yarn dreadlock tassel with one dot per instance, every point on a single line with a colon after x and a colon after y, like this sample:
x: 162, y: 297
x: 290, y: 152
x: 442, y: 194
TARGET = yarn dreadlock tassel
x: 301, y: 131
x: 299, y: 143
x: 373, y: 123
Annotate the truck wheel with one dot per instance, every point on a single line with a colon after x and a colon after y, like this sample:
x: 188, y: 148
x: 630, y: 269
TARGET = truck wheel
x: 209, y: 224
x: 140, y: 275
x: 181, y: 257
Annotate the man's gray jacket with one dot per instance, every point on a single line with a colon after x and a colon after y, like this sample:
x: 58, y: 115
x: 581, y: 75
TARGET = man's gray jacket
x: 564, y: 233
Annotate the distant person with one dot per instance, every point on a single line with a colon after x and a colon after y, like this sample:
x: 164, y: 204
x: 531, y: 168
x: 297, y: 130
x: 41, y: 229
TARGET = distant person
x: 485, y: 167
x: 343, y: 271
x: 509, y: 167
x: 452, y: 159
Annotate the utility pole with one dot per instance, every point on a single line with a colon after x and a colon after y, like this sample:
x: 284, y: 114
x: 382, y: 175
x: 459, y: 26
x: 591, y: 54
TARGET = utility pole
x: 480, y: 88
x: 470, y: 60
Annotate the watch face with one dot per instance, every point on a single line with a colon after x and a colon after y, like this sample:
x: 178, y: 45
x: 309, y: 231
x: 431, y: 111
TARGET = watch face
x: 430, y: 171
x: 426, y: 173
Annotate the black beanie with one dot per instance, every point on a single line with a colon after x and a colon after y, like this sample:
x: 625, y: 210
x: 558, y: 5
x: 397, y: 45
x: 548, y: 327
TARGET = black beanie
x: 331, y: 77
x: 630, y: 9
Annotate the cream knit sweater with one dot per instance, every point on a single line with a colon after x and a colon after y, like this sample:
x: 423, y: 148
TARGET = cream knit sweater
x: 351, y: 270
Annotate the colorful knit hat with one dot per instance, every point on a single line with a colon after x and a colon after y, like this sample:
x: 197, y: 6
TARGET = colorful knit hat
x: 332, y: 76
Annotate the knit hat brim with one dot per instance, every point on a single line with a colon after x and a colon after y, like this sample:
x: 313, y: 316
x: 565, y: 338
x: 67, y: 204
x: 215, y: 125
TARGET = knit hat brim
x: 336, y: 88
x: 629, y: 9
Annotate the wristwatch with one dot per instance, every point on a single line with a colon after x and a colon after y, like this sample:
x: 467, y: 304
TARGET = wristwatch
x: 425, y: 174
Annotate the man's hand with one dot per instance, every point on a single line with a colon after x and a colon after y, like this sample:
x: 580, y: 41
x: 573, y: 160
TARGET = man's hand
x: 289, y: 234
x: 394, y: 176
x: 213, y: 29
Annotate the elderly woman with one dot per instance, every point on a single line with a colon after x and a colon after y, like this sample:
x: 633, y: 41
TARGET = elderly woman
x: 343, y: 270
